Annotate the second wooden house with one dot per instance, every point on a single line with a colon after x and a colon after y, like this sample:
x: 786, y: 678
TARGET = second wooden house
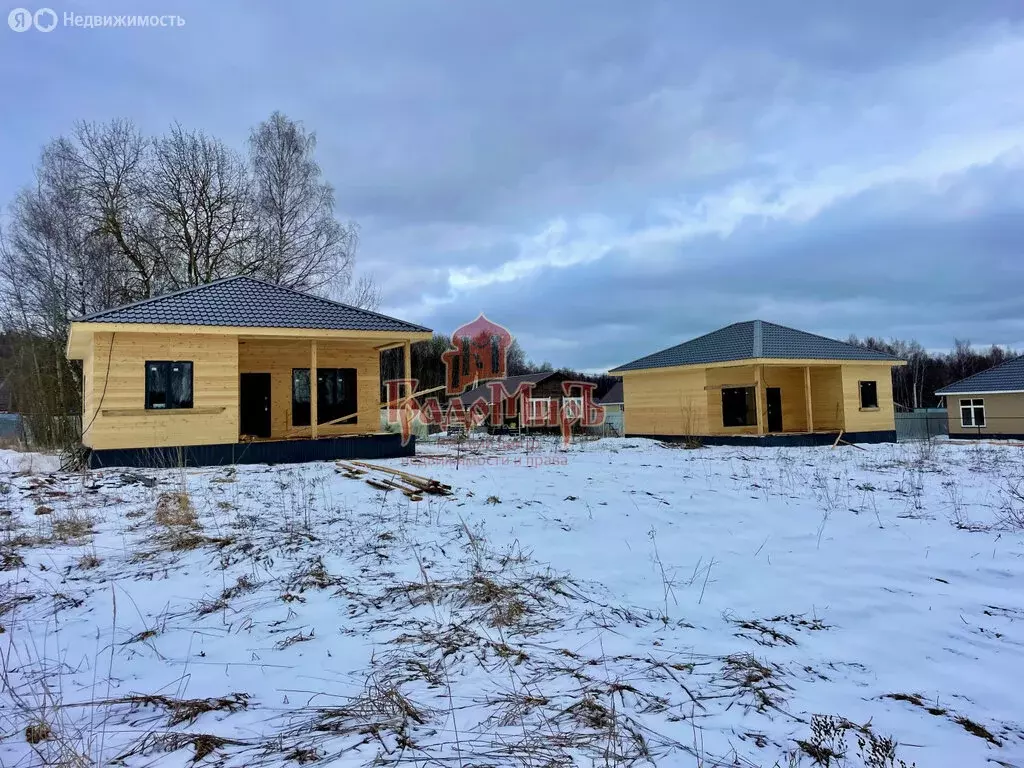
x: 761, y: 382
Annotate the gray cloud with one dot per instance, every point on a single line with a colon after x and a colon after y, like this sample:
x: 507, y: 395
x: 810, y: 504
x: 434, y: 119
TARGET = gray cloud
x: 609, y: 178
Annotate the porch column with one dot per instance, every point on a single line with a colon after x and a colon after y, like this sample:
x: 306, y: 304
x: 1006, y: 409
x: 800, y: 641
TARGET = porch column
x: 759, y: 397
x: 314, y: 415
x: 807, y: 398
x: 407, y: 363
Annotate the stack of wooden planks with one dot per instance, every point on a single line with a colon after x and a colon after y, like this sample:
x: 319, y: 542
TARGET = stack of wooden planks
x: 413, y: 486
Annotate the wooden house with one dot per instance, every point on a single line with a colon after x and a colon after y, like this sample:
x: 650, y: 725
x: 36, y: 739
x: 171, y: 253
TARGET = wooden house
x: 758, y: 381
x: 988, y: 404
x: 536, y: 411
x: 237, y: 370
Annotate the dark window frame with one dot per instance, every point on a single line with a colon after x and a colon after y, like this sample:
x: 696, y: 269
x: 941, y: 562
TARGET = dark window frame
x: 172, y: 395
x: 329, y: 405
x: 868, y: 395
x: 731, y: 409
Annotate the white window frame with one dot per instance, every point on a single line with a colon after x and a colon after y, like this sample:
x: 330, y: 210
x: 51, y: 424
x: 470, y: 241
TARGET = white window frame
x: 534, y: 407
x: 572, y: 407
x: 974, y: 406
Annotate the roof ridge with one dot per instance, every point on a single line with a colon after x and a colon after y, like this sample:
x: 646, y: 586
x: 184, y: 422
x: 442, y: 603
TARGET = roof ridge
x: 827, y: 338
x: 758, y: 345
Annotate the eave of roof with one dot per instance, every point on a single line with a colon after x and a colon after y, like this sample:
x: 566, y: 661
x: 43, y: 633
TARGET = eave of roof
x: 243, y: 305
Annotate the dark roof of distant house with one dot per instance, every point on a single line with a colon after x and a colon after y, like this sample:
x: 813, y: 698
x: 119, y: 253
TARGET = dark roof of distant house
x: 246, y: 302
x: 1005, y: 377
x: 753, y: 339
x: 511, y: 383
x: 613, y: 396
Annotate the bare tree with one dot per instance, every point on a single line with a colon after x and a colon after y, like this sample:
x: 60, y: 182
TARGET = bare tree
x: 362, y: 292
x: 197, y: 193
x: 113, y: 217
x: 302, y: 244
x: 111, y: 161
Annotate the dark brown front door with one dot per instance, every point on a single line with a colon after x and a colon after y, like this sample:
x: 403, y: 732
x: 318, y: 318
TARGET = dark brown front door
x: 773, y: 395
x: 254, y: 404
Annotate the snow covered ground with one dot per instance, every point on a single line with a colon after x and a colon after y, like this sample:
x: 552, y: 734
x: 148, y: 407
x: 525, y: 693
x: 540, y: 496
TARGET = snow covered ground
x: 619, y: 603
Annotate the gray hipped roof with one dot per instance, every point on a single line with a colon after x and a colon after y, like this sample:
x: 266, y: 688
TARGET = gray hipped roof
x: 250, y: 303
x: 753, y: 339
x: 613, y: 396
x: 1005, y: 377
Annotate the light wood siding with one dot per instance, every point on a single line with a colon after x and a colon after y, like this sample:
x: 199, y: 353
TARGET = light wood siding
x: 726, y: 378
x: 1004, y: 414
x: 794, y: 405
x: 671, y: 403
x: 87, y: 378
x: 279, y: 357
x: 115, y: 397
x: 656, y: 399
x: 874, y: 419
x: 827, y: 398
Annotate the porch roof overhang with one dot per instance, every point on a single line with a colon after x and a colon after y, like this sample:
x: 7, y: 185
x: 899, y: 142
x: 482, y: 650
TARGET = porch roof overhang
x: 81, y: 334
x: 779, y: 362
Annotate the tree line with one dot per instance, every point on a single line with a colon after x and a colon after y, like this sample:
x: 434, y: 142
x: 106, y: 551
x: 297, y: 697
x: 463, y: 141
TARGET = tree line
x: 113, y: 216
x: 429, y: 369
x: 915, y: 384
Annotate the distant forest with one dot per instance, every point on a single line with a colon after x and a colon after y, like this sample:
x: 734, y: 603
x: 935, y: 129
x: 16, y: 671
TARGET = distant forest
x: 915, y: 383
x: 428, y: 367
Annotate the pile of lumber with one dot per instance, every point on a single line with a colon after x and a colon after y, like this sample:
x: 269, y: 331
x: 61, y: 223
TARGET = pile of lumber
x: 413, y: 486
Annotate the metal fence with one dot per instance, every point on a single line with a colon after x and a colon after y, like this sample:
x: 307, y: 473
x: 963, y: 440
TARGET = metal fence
x: 11, y: 428
x: 922, y: 424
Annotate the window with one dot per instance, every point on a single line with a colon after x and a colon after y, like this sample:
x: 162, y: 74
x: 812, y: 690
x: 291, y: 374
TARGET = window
x: 739, y: 408
x: 538, y: 410
x: 335, y: 395
x: 869, y: 394
x: 572, y: 407
x: 168, y: 384
x: 972, y: 413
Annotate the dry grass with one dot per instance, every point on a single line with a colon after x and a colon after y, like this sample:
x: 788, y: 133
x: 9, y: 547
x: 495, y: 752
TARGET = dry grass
x: 971, y: 726
x: 174, y: 510
x: 38, y: 732
x: 181, y: 711
x: 70, y: 525
x: 829, y: 744
x: 298, y: 637
x: 203, y: 745
x: 10, y: 561
x: 756, y: 683
x: 89, y: 561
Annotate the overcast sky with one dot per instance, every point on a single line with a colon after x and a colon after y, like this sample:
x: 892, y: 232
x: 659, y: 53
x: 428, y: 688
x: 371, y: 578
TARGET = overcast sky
x: 607, y: 178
